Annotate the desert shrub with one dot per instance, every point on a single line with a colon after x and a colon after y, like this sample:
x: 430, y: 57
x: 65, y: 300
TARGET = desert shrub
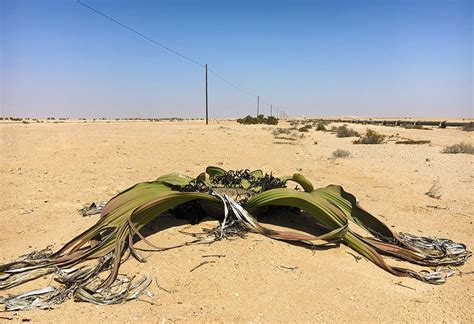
x: 461, y: 148
x: 305, y: 128
x: 371, y: 137
x: 344, y: 131
x: 260, y: 119
x: 341, y: 154
x: 321, y: 127
x: 469, y: 127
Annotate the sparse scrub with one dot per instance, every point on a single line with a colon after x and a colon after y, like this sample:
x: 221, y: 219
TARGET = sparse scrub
x: 260, y: 119
x: 461, y: 148
x: 305, y: 128
x: 371, y: 137
x: 280, y: 131
x: 321, y: 127
x: 344, y: 131
x: 294, y: 123
x: 341, y: 154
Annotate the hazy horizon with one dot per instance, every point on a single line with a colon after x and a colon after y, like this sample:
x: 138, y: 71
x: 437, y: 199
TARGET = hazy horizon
x: 315, y: 58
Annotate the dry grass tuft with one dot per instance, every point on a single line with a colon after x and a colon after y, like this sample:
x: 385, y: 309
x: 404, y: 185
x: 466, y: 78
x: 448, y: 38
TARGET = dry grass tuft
x: 341, y: 154
x: 280, y: 131
x: 461, y: 148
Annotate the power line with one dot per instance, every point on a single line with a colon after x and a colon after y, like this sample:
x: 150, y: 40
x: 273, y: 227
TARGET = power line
x: 232, y: 84
x: 141, y: 35
x: 169, y: 49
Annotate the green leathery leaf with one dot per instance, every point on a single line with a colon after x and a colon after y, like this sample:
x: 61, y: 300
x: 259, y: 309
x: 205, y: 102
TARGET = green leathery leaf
x: 213, y: 171
x: 348, y: 204
x: 175, y: 179
x: 324, y: 212
x: 301, y: 180
x: 204, y: 178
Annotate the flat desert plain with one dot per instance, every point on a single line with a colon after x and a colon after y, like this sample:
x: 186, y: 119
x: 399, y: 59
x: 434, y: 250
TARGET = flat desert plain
x: 50, y: 170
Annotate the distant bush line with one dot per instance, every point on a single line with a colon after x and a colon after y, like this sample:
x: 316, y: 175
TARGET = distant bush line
x: 260, y: 119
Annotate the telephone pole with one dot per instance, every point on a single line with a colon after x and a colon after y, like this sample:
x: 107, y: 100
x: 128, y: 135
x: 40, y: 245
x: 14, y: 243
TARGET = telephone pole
x: 207, y: 102
x: 271, y: 110
x: 258, y: 104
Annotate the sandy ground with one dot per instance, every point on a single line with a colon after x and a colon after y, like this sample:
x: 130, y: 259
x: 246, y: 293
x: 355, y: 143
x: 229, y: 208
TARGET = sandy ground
x: 49, y: 171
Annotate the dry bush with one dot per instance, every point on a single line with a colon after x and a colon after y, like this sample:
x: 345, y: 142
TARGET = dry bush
x: 461, y: 148
x: 344, y: 131
x: 371, y: 137
x: 341, y: 154
x: 305, y: 128
x: 321, y: 127
x: 280, y: 131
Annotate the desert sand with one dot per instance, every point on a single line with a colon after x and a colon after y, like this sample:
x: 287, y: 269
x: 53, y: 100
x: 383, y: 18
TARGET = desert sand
x: 50, y: 170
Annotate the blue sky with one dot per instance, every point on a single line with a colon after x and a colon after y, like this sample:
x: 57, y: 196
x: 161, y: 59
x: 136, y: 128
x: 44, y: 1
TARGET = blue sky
x: 314, y: 58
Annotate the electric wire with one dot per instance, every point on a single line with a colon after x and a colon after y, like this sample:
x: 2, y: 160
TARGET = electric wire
x: 169, y: 49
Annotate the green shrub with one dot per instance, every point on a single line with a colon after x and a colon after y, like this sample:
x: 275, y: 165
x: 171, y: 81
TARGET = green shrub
x: 371, y: 137
x: 260, y: 119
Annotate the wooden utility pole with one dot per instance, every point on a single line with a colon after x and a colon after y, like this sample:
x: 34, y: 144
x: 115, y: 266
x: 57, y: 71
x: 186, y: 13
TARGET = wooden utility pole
x: 271, y: 110
x: 207, y: 102
x: 258, y: 105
